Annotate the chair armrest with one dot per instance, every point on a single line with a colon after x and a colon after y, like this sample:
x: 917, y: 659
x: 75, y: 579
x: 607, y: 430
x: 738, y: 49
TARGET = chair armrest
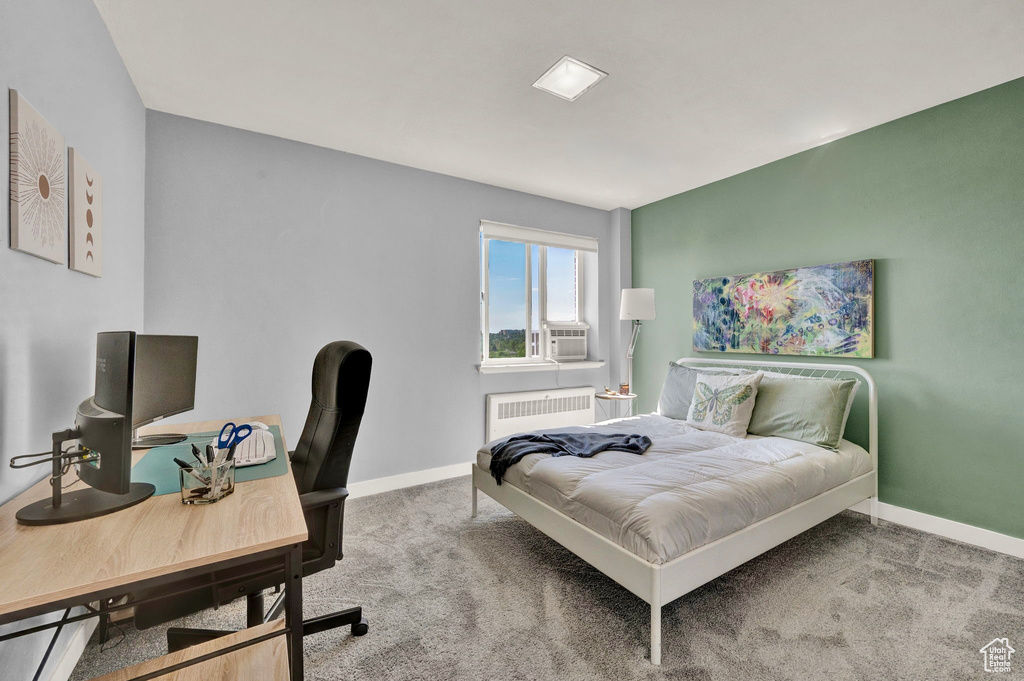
x: 322, y: 497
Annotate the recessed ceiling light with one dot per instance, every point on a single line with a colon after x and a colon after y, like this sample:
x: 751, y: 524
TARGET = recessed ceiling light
x: 569, y: 78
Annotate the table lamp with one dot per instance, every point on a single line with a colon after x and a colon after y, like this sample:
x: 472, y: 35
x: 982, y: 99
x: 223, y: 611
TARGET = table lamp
x: 637, y: 304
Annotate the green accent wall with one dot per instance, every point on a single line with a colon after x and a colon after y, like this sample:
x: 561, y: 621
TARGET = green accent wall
x: 937, y: 198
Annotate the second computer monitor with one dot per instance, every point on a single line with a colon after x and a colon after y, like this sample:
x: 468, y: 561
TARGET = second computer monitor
x: 105, y: 418
x: 165, y: 382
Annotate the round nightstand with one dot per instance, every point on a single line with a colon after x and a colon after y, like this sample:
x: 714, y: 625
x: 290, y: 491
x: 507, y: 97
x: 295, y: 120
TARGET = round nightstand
x: 616, y: 399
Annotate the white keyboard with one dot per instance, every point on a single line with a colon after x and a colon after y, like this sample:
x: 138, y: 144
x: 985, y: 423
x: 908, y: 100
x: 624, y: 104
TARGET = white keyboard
x: 256, y: 449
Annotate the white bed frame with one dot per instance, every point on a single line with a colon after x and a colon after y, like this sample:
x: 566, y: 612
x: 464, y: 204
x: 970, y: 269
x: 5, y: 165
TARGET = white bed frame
x: 659, y: 585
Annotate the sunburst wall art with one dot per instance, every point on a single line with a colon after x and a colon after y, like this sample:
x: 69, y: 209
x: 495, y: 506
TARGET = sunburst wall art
x: 820, y: 310
x: 85, y: 209
x: 38, y: 184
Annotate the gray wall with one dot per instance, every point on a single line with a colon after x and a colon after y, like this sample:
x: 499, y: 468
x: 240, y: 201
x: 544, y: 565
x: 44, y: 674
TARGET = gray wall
x: 61, y: 59
x: 620, y: 276
x: 268, y: 249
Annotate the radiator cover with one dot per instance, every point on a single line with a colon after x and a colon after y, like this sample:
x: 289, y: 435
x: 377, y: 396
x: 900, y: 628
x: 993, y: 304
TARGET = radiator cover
x: 511, y: 413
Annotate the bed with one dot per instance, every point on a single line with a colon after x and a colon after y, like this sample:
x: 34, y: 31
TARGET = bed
x: 694, y: 506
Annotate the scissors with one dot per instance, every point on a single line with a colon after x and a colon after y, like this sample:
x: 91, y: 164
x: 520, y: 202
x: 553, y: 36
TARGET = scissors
x: 231, y: 435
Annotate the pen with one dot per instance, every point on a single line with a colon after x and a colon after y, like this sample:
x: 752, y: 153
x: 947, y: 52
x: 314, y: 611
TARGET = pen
x: 210, y: 456
x: 198, y: 455
x: 188, y: 469
x: 215, y: 481
x: 218, y: 473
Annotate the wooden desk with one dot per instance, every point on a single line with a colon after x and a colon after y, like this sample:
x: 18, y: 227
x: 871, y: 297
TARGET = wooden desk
x: 49, y: 568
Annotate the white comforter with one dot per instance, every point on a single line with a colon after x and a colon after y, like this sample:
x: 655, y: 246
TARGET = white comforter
x: 690, y: 488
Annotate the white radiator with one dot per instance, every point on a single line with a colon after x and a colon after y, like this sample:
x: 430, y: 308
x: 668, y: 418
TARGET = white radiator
x: 511, y: 413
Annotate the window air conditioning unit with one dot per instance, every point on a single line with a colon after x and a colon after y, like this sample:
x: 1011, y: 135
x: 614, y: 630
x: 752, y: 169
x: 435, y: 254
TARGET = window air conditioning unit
x: 566, y: 342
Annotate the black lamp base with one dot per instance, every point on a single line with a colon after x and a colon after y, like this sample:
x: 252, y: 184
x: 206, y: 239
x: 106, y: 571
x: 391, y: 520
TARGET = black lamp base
x: 82, y: 504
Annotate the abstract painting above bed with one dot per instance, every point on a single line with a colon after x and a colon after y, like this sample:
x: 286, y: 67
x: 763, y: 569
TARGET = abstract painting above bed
x: 819, y: 310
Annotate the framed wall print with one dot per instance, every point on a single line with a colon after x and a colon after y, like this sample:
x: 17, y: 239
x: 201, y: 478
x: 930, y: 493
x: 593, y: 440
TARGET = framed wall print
x: 85, y: 209
x: 820, y: 310
x: 38, y: 184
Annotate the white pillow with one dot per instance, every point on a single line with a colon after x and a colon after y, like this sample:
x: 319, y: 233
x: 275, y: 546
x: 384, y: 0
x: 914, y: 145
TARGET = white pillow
x: 723, y: 403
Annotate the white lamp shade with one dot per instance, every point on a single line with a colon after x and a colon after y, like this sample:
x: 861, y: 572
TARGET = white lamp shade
x: 637, y: 303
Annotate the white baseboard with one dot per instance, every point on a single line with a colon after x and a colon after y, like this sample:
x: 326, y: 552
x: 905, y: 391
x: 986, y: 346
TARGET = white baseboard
x: 74, y: 649
x: 968, y: 534
x: 378, y: 485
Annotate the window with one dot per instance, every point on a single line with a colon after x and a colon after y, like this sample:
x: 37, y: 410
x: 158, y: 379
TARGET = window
x: 527, y: 277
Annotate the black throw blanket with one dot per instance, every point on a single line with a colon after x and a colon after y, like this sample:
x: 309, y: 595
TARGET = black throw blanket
x: 508, y: 453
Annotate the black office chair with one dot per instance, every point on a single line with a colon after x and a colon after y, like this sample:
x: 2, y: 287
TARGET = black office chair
x: 320, y: 463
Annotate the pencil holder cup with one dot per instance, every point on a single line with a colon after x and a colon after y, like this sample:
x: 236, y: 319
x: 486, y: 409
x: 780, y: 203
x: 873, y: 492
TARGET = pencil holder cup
x: 207, y: 484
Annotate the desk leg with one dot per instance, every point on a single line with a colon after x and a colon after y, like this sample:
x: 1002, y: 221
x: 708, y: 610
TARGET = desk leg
x: 293, y: 608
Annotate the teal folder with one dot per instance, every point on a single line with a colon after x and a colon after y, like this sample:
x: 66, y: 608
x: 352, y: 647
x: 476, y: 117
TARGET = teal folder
x: 158, y: 467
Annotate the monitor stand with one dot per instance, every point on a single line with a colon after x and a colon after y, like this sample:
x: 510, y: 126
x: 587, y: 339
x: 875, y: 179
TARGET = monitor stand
x: 82, y: 504
x: 156, y: 440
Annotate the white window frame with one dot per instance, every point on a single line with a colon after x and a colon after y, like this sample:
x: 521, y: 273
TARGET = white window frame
x: 529, y: 237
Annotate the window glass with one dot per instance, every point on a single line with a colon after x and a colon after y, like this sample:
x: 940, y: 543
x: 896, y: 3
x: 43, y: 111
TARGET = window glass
x: 507, y: 299
x: 562, y: 294
x: 526, y: 285
x: 535, y: 329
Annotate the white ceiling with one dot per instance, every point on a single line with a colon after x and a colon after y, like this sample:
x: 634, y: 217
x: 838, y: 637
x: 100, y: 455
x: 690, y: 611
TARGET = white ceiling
x: 697, y: 91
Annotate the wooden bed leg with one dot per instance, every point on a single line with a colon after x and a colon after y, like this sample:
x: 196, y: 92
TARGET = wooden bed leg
x: 473, y: 515
x: 656, y: 618
x: 874, y: 510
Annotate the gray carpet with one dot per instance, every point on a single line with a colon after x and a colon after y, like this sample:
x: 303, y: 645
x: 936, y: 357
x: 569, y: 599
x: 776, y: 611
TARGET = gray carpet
x: 449, y: 597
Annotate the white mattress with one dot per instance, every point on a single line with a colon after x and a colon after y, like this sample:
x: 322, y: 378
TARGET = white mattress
x: 690, y: 488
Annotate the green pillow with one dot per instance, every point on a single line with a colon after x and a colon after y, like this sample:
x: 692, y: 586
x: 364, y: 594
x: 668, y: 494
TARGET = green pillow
x: 812, y: 410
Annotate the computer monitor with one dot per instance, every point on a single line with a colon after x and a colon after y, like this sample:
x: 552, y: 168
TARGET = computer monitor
x: 105, y: 418
x: 165, y: 383
x: 104, y: 432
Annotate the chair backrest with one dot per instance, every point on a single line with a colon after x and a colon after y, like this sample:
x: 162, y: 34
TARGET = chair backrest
x: 341, y: 379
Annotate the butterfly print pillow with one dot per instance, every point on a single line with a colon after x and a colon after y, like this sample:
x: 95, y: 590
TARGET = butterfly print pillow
x: 724, y: 403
